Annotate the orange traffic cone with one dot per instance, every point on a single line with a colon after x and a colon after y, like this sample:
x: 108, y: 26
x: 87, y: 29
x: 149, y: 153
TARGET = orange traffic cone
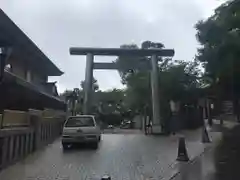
x: 205, y: 137
x: 182, y: 151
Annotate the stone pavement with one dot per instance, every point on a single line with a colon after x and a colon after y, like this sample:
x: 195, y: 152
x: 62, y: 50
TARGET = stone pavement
x: 201, y: 167
x: 122, y: 156
x: 191, y: 169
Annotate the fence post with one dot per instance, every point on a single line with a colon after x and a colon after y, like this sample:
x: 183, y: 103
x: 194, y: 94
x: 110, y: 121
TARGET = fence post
x: 11, y: 148
x: 36, y: 124
x: 16, y: 149
x: 3, y: 153
x: 26, y: 148
x: 31, y: 146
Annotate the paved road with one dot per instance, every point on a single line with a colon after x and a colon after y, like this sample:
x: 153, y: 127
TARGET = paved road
x: 123, y: 156
x: 121, y: 131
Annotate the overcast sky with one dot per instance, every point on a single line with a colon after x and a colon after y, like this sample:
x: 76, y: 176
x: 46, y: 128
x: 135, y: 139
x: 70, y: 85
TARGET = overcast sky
x: 56, y: 25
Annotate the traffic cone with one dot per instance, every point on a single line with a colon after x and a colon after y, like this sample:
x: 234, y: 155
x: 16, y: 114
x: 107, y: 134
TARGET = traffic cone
x: 205, y: 137
x: 182, y: 151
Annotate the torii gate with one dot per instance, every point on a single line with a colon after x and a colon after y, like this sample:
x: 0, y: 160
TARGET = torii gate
x: 153, y: 66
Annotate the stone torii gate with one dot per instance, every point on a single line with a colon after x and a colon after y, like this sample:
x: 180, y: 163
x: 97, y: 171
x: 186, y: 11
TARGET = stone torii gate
x: 153, y: 66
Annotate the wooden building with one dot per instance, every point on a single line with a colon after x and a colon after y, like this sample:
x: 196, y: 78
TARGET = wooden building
x: 25, y: 82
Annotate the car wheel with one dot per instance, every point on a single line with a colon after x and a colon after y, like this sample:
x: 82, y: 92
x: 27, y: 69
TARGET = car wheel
x: 99, y: 138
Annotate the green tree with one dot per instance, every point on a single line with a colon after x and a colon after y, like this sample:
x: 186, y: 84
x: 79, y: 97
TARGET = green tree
x: 110, y: 100
x: 178, y: 80
x: 126, y: 61
x: 137, y: 82
x: 219, y: 36
x: 73, y: 99
x: 94, y: 84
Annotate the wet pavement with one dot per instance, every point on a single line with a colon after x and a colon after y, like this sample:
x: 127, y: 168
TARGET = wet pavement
x: 201, y: 168
x: 122, y: 156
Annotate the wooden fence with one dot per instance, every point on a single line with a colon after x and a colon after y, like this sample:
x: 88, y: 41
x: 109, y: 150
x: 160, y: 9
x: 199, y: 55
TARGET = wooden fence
x: 18, y: 142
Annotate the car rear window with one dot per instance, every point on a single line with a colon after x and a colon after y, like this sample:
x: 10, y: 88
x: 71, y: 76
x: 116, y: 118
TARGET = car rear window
x: 80, y: 122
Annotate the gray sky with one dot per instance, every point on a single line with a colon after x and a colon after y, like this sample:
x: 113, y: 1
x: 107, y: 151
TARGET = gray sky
x: 56, y: 25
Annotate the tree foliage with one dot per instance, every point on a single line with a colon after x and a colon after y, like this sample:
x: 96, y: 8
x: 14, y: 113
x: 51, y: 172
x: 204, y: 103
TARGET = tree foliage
x: 95, y: 85
x: 176, y: 78
x: 219, y: 36
x: 110, y: 101
x: 73, y: 98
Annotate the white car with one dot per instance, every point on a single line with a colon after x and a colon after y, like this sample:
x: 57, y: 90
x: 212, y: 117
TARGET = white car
x: 81, y: 129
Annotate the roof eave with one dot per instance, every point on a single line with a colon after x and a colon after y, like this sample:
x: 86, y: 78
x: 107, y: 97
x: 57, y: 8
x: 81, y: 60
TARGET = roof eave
x: 22, y: 38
